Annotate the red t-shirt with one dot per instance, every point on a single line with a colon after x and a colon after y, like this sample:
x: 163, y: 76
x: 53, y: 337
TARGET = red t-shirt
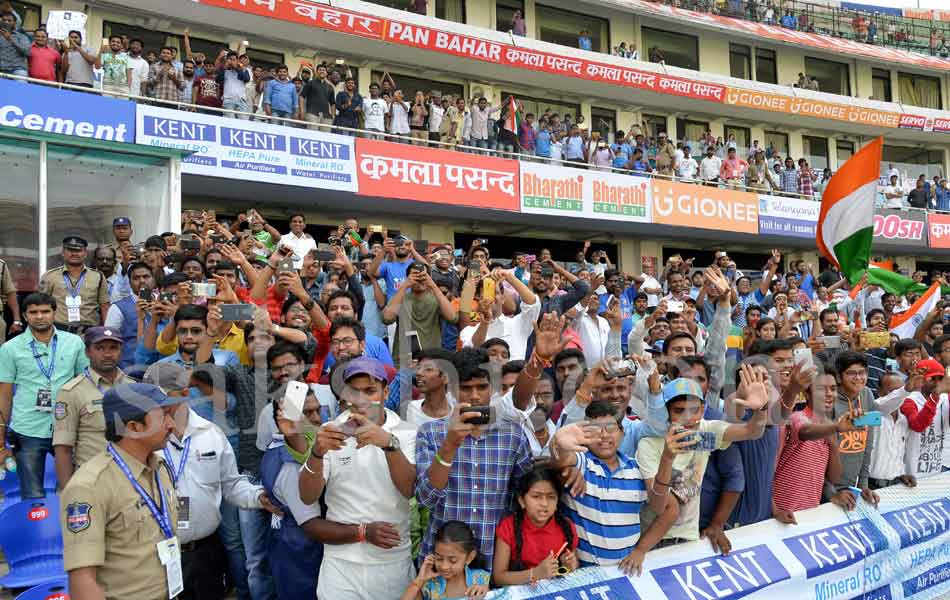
x: 536, y: 542
x: 43, y: 63
x: 209, y: 92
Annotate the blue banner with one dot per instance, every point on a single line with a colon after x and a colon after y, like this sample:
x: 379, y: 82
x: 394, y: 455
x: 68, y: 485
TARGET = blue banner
x: 40, y: 108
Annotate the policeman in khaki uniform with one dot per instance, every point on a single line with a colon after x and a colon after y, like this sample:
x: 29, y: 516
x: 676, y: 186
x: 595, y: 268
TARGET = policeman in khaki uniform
x: 78, y: 425
x: 119, y: 510
x: 82, y: 294
x: 8, y: 297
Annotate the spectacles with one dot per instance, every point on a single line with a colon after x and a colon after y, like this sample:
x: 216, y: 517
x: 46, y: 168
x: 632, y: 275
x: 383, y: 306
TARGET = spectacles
x: 856, y: 374
x: 602, y: 427
x: 195, y: 331
x: 343, y: 342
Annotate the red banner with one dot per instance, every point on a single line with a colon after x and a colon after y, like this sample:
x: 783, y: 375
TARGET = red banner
x: 391, y: 170
x: 938, y: 226
x: 309, y: 13
x: 912, y: 122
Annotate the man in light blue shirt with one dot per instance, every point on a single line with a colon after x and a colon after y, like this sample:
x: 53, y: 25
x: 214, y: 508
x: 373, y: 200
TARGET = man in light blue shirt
x: 36, y: 364
x: 574, y: 147
x: 372, y: 311
x: 280, y: 96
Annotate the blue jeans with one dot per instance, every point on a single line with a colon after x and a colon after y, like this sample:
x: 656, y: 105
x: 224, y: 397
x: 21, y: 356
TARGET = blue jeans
x: 238, y: 104
x: 30, y: 454
x: 230, y: 533
x: 255, y: 526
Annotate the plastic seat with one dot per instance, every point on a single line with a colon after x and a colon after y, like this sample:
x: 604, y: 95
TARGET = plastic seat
x: 32, y: 543
x: 10, y: 485
x: 54, y: 590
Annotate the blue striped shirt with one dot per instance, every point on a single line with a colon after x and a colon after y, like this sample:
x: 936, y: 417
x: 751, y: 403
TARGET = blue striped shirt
x: 607, y: 515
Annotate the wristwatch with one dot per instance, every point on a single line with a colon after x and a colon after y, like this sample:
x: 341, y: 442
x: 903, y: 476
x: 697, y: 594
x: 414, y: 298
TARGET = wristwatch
x: 393, y: 444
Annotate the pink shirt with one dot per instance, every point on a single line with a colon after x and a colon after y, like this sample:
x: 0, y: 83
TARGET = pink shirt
x: 800, y: 472
x: 43, y: 63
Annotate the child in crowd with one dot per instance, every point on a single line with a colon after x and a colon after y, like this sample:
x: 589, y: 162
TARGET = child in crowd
x: 453, y: 570
x: 537, y: 541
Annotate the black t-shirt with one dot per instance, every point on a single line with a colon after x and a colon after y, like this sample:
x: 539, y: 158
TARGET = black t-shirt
x: 319, y: 95
x: 918, y: 198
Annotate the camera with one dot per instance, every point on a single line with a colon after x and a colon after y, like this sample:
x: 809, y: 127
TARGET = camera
x: 484, y: 415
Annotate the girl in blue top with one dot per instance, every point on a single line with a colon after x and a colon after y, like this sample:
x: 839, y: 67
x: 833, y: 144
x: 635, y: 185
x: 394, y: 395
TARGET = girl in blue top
x: 453, y: 570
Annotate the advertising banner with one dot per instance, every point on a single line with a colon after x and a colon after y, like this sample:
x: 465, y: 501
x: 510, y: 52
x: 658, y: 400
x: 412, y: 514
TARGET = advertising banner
x: 391, y: 170
x: 309, y: 12
x: 899, y: 550
x: 562, y: 191
x: 251, y: 150
x: 938, y: 226
x: 703, y: 207
x: 807, y: 107
x: 900, y: 228
x: 789, y: 217
x: 65, y: 112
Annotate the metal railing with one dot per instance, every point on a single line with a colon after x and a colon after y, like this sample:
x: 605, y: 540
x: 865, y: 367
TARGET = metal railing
x: 404, y: 139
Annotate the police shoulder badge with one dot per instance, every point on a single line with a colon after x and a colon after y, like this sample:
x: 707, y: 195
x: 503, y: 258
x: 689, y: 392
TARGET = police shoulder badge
x: 77, y: 516
x: 60, y: 411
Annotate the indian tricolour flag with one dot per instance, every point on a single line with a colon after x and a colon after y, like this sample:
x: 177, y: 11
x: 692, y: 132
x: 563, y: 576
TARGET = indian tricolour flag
x: 846, y: 221
x: 906, y: 323
x: 513, y: 120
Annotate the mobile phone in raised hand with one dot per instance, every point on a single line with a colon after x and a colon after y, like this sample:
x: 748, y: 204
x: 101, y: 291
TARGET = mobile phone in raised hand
x: 294, y: 398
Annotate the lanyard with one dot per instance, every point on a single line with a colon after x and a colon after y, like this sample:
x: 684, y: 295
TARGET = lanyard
x: 176, y: 473
x: 74, y: 290
x: 46, y: 371
x: 89, y: 377
x: 162, y: 516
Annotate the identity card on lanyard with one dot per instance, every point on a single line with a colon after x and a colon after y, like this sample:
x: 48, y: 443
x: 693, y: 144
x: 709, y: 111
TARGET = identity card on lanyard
x: 184, y: 503
x: 73, y: 297
x: 169, y: 551
x: 44, y: 396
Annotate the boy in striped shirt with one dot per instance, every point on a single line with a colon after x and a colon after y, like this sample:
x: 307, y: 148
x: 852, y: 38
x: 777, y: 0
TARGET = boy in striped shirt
x: 607, y: 515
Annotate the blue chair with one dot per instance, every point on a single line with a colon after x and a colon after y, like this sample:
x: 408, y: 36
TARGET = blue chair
x: 32, y: 542
x: 10, y: 485
x: 54, y: 590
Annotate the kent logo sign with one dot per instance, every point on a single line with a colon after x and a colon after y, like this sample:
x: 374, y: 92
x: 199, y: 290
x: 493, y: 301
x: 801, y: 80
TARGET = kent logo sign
x: 920, y: 523
x: 836, y: 547
x: 735, y: 575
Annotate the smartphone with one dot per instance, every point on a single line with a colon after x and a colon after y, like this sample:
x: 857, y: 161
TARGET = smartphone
x: 705, y: 441
x: 285, y: 251
x: 189, y: 244
x: 171, y: 297
x: 375, y: 229
x: 349, y: 428
x: 324, y: 255
x: 414, y: 345
x: 237, y: 312
x: 204, y: 290
x: 622, y: 368
x: 394, y: 234
x: 146, y: 294
x: 105, y: 42
x: 482, y: 241
x: 488, y: 289
x: 675, y: 306
x: 484, y: 415
x: 217, y: 238
x: 475, y: 265
x: 421, y: 245
x: 830, y: 341
x: 294, y: 397
x: 875, y: 339
x: 286, y: 265
x: 803, y: 356
x: 335, y: 241
x: 417, y: 267
x: 870, y: 419
x: 457, y: 253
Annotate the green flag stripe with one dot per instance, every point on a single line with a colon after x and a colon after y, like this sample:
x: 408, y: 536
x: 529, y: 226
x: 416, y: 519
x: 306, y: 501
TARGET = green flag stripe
x: 854, y: 253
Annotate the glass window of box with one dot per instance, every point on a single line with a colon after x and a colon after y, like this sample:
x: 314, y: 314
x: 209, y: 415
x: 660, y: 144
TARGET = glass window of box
x: 742, y: 138
x: 691, y: 133
x: 603, y: 120
x: 87, y: 188
x: 538, y: 106
x: 833, y: 77
x: 564, y: 27
x: 674, y: 49
x: 19, y: 210
x: 766, y: 70
x: 778, y: 141
x: 815, y: 151
x: 504, y: 11
x: 654, y: 125
x: 845, y: 150
x: 740, y: 61
x: 919, y: 90
x: 31, y: 14
x: 450, y: 10
x: 881, y: 85
x: 911, y: 162
x: 409, y: 85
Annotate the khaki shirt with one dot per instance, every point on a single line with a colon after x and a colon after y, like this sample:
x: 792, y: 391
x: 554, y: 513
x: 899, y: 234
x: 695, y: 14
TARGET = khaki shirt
x: 78, y: 421
x: 95, y: 291
x: 106, y: 525
x: 6, y: 285
x: 664, y: 159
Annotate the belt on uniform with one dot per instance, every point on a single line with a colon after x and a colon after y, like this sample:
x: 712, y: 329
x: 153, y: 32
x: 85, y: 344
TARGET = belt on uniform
x: 196, y: 544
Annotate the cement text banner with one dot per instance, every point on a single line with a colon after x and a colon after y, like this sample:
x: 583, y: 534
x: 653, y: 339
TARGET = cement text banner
x: 250, y: 150
x: 900, y: 550
x: 562, y: 191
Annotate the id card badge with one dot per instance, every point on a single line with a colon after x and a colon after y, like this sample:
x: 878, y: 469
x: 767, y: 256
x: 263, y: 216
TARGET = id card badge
x: 73, y: 304
x: 169, y: 554
x: 184, y: 512
x: 44, y: 400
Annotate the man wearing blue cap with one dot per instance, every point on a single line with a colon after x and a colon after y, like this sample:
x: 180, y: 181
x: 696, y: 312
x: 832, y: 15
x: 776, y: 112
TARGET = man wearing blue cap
x: 683, y: 477
x: 122, y: 232
x: 78, y: 423
x: 82, y: 294
x: 365, y: 460
x: 120, y: 510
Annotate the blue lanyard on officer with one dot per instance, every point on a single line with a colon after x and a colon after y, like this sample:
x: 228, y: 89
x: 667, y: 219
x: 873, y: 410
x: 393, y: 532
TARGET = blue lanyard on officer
x: 89, y: 377
x: 73, y: 290
x: 176, y: 473
x: 162, y: 517
x: 46, y: 371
